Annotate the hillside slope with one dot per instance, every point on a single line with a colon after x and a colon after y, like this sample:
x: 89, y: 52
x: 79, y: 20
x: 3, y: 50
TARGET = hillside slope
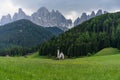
x: 89, y: 37
x: 55, y: 31
x: 107, y: 51
x: 23, y: 33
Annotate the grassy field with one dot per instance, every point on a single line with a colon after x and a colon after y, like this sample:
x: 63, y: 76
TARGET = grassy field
x: 88, y: 68
x: 108, y: 51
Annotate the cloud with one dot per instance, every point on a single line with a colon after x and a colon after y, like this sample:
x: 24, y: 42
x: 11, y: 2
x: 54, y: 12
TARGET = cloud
x: 63, y: 5
x: 70, y: 8
x: 7, y: 7
x: 31, y: 5
x: 72, y: 15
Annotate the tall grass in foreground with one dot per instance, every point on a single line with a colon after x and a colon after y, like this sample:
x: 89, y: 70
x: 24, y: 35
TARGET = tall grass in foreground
x: 89, y: 68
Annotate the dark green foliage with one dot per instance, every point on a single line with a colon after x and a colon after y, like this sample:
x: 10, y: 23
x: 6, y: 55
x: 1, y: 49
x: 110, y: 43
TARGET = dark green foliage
x: 18, y: 37
x: 23, y: 33
x: 54, y: 30
x: 89, y: 37
x: 16, y: 51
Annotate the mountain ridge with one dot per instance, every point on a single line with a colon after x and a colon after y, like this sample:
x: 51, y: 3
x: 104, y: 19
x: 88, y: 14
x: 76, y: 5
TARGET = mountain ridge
x: 46, y: 18
x: 42, y: 17
x: 87, y: 38
x: 24, y: 33
x: 85, y: 17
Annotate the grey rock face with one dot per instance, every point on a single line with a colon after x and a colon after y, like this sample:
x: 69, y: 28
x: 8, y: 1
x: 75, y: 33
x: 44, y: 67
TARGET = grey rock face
x: 86, y: 17
x: 80, y: 20
x: 99, y: 12
x: 77, y: 21
x: 46, y: 18
x: 105, y: 12
x: 92, y: 15
x: 6, y: 19
x: 20, y: 15
x: 42, y: 17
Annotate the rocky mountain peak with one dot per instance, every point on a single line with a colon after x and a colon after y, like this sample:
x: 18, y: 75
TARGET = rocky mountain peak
x: 53, y: 11
x: 41, y: 13
x: 8, y: 16
x: 6, y: 19
x: 20, y: 11
x: 92, y: 14
x: 20, y: 15
x: 42, y: 17
x: 81, y: 19
x: 99, y: 12
x: 43, y: 10
x: 105, y: 12
x: 58, y: 12
x: 85, y: 17
x: 49, y: 19
x: 76, y: 21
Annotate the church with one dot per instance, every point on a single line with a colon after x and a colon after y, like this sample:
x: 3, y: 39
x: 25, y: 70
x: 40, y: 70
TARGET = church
x: 60, y: 55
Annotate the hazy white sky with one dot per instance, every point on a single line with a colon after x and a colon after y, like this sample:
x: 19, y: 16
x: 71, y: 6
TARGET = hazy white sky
x: 70, y: 8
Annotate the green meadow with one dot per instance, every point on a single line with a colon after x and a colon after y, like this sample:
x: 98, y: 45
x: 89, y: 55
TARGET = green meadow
x: 104, y: 67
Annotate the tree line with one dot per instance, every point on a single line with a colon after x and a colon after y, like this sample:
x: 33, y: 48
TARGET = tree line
x: 87, y: 38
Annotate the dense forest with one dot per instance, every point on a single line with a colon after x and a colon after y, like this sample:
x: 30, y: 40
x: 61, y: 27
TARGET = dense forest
x: 87, y: 38
x: 19, y: 37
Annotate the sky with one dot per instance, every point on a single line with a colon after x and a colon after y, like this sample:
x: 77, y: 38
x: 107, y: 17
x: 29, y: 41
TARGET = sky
x: 69, y: 8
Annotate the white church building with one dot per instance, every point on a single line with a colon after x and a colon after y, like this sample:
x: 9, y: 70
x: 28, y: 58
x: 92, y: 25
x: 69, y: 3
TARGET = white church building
x: 60, y: 55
